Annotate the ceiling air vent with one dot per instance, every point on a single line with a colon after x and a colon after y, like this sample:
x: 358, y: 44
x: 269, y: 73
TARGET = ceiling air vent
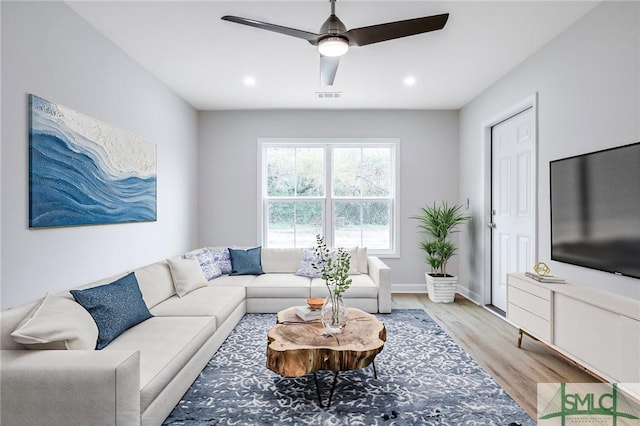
x: 329, y: 95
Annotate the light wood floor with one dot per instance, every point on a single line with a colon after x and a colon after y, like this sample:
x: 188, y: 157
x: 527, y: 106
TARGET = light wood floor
x: 491, y: 342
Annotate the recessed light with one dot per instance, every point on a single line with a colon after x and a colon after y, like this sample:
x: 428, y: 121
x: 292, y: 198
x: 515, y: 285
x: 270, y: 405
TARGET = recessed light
x: 409, y: 81
x: 249, y: 81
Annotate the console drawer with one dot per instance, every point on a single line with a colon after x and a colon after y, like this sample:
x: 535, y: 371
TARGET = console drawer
x: 532, y: 324
x: 534, y: 304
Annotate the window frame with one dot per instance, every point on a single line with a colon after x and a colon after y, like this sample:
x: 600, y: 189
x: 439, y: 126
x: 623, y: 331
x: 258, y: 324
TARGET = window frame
x: 328, y: 201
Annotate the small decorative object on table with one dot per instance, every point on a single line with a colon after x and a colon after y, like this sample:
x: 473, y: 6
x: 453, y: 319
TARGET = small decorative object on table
x: 543, y: 274
x: 315, y: 302
x: 305, y: 313
x: 334, y: 269
x: 541, y: 269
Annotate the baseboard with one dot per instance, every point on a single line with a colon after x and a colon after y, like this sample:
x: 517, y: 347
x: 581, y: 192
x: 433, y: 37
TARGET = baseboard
x: 409, y: 288
x: 422, y: 288
x: 471, y: 295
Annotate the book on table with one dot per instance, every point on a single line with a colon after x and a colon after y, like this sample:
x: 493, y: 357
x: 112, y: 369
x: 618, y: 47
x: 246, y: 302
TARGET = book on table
x: 544, y: 278
x: 308, y: 314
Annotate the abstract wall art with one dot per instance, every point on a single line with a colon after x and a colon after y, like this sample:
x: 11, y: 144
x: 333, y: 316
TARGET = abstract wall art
x: 83, y: 171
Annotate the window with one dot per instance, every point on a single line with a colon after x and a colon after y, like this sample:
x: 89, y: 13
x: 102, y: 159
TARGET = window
x: 342, y: 189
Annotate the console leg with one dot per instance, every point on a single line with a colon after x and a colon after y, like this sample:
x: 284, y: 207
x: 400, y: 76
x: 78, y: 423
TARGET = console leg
x: 520, y: 333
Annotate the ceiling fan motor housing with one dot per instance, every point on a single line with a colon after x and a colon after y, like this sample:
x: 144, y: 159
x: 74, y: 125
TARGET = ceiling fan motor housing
x: 332, y: 27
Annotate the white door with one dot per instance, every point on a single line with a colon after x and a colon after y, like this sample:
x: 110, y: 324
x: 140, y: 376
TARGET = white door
x: 513, y: 245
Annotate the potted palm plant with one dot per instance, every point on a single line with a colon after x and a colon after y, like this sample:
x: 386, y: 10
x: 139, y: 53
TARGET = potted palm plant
x: 438, y: 222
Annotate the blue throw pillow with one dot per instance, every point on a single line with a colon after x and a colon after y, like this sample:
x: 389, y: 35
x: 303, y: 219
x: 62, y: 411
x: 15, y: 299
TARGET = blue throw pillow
x: 246, y: 262
x: 115, y: 307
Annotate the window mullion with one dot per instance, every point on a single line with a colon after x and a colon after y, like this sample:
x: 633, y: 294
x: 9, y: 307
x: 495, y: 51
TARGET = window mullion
x: 328, y: 196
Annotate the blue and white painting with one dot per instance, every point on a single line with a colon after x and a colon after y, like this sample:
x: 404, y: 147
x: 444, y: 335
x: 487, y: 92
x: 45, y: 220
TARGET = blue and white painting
x: 86, y: 172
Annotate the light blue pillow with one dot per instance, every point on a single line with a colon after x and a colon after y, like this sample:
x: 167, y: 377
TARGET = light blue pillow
x: 306, y: 268
x: 115, y: 307
x: 221, y: 258
x: 209, y: 267
x: 246, y: 262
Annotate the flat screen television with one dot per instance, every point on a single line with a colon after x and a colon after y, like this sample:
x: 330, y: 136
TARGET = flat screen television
x: 595, y: 210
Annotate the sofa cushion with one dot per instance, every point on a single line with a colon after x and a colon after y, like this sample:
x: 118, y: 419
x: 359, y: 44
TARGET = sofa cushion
x: 222, y: 258
x: 57, y: 323
x: 187, y: 275
x: 156, y: 283
x: 209, y: 267
x: 166, y: 345
x: 114, y: 307
x: 232, y: 281
x: 281, y: 260
x: 246, y: 262
x: 362, y: 286
x: 215, y: 301
x: 278, y: 285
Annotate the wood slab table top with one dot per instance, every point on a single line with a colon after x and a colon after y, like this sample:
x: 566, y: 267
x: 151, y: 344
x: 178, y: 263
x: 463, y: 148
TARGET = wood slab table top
x: 296, y: 348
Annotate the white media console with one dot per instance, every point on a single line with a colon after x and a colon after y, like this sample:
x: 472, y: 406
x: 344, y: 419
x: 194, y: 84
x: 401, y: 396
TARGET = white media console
x: 598, y: 330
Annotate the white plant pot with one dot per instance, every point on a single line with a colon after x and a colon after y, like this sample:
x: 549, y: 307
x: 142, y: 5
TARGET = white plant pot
x: 441, y: 289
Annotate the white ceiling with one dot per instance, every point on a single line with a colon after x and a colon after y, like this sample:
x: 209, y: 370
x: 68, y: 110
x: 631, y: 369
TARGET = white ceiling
x: 205, y: 60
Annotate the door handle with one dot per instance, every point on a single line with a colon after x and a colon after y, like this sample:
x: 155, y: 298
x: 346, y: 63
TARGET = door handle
x: 491, y: 225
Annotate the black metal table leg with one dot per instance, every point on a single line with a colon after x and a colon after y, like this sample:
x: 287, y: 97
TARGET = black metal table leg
x: 333, y: 387
x: 315, y: 377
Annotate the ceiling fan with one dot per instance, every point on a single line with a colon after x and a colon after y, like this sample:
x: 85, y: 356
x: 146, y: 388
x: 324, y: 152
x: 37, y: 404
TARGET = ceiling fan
x: 334, y: 39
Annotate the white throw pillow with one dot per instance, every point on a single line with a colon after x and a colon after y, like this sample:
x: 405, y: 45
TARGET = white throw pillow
x: 187, y: 275
x: 353, y: 261
x: 155, y: 282
x: 57, y: 323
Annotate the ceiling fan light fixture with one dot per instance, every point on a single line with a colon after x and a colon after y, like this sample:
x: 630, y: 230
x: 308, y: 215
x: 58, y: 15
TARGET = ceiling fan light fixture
x: 333, y: 46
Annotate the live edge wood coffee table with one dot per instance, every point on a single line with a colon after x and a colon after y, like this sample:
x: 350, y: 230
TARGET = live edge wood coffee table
x: 297, y: 347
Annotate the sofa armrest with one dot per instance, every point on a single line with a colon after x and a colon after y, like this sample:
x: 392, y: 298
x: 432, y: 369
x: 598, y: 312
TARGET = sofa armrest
x: 380, y: 273
x: 48, y: 387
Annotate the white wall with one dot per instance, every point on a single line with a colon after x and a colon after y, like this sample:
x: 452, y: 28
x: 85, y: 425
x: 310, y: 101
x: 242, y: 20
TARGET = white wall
x: 588, y: 85
x: 228, y: 152
x: 49, y: 51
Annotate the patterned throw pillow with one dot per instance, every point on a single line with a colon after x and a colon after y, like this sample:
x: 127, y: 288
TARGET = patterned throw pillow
x: 309, y: 257
x: 209, y: 267
x: 306, y: 268
x: 222, y: 259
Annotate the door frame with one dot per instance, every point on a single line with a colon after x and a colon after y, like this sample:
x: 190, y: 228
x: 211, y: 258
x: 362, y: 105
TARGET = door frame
x: 530, y: 101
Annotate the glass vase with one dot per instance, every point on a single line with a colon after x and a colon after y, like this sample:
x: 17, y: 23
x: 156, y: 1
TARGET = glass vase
x: 334, y: 314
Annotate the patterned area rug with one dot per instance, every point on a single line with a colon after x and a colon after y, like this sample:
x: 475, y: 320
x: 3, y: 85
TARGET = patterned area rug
x: 424, y: 378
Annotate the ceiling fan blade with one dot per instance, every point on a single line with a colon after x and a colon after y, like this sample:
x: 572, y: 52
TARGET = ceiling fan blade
x: 392, y: 30
x: 305, y: 35
x: 328, y: 68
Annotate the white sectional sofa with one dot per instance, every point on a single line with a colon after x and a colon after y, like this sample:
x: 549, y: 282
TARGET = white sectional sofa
x: 50, y: 374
